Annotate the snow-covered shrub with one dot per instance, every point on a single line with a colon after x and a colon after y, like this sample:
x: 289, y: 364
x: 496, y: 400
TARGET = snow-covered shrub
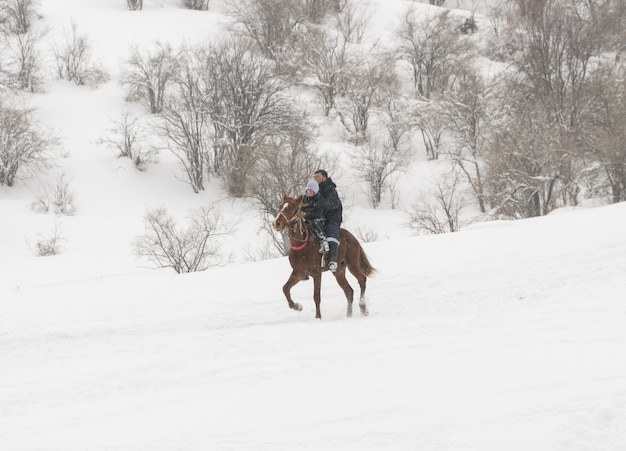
x: 74, y: 61
x: 16, y: 15
x: 148, y: 72
x: 125, y: 137
x: 195, y: 248
x: 201, y: 5
x: 49, y: 244
x: 24, y: 144
x: 134, y: 5
x: 439, y: 210
x: 58, y: 199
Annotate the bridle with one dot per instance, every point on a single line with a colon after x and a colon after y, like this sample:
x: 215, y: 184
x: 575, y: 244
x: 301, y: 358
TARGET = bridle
x: 296, y: 225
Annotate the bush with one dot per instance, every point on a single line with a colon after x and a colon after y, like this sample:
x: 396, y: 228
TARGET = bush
x: 23, y: 143
x: 201, y: 5
x: 469, y: 26
x: 185, y: 250
x: 73, y: 60
x: 134, y: 5
x: 17, y: 15
x: 439, y: 211
x: 125, y: 137
x: 148, y: 72
x: 58, y: 199
x: 50, y: 244
x: 22, y: 65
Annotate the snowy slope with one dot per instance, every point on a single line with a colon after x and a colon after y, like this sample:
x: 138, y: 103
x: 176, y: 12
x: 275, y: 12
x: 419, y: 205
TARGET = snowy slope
x: 506, y: 336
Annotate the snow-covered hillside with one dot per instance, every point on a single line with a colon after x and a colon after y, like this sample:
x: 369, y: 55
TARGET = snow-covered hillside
x: 504, y: 336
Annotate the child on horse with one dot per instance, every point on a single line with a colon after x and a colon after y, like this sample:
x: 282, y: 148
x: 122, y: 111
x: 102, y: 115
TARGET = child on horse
x: 313, y: 213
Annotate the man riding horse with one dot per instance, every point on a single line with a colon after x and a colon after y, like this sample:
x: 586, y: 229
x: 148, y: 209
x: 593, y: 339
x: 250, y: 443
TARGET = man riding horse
x: 326, y: 206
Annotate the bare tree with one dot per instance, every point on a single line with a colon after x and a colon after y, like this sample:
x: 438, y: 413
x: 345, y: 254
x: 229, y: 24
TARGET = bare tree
x: 361, y: 93
x: 125, y: 136
x: 328, y: 59
x: 353, y: 21
x: 148, y: 72
x: 376, y: 163
x: 23, y: 144
x: 605, y: 131
x: 248, y: 107
x: 272, y: 24
x: 18, y: 14
x: 195, y: 248
x: 556, y: 45
x: 291, y: 162
x: 184, y: 124
x: 526, y: 164
x: 608, y: 18
x: 316, y: 10
x: 74, y: 60
x: 431, y: 48
x: 23, y: 62
x: 394, y: 112
x: 467, y: 112
x: 535, y: 162
x: 439, y: 209
x: 428, y: 118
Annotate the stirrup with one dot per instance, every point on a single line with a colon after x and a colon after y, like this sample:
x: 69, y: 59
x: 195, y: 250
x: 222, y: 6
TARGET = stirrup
x: 324, y: 248
x: 332, y: 266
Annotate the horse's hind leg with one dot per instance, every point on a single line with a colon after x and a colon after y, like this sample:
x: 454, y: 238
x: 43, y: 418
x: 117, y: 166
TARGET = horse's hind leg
x: 294, y: 278
x: 317, y: 294
x: 340, y: 275
x: 362, y: 279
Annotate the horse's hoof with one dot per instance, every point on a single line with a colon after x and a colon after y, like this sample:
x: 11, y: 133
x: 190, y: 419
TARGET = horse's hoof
x: 364, y: 310
x: 297, y: 307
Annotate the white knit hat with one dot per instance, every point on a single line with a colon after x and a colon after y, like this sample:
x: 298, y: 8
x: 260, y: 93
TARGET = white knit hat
x: 313, y: 186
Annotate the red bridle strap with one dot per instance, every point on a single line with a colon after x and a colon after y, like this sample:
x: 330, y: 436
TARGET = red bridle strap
x: 306, y: 239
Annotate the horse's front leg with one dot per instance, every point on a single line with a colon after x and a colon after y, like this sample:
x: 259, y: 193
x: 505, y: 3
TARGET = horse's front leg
x: 317, y: 294
x: 293, y: 279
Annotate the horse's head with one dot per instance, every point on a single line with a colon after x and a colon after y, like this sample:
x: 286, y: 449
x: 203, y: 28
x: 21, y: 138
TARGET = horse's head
x: 288, y: 212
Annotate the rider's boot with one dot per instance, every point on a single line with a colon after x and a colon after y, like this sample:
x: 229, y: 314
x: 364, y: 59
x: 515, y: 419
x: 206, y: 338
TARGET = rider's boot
x: 321, y: 237
x: 332, y: 265
x: 324, y: 248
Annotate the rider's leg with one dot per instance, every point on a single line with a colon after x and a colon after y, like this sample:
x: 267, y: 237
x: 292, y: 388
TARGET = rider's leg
x: 321, y: 237
x: 332, y: 232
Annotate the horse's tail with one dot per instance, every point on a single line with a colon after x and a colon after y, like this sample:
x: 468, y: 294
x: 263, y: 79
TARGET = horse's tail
x: 364, y: 263
x: 357, y: 253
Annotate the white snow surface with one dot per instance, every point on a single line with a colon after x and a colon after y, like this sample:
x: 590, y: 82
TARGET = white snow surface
x: 504, y: 336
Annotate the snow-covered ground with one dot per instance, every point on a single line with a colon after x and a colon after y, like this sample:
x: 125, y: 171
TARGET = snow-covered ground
x: 504, y: 336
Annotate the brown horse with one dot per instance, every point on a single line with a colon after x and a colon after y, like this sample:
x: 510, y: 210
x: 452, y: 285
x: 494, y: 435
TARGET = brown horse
x: 306, y: 260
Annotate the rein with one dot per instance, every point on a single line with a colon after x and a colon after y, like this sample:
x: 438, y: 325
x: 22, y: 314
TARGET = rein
x: 298, y: 222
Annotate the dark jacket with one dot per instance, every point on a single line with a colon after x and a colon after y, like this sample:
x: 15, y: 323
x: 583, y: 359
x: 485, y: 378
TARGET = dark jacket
x: 331, y: 207
x: 313, y: 209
